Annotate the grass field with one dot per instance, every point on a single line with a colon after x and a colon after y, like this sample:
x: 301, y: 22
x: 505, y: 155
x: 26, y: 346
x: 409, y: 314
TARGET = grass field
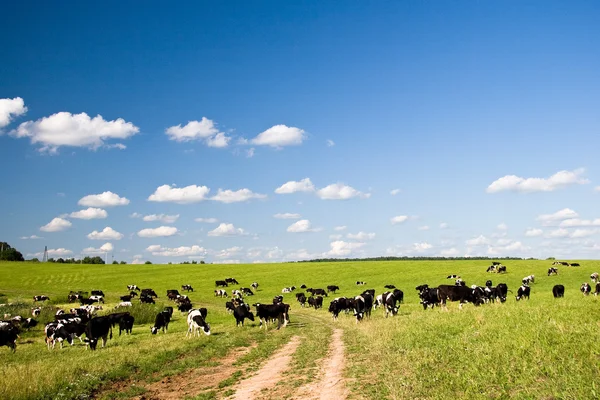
x: 542, y: 348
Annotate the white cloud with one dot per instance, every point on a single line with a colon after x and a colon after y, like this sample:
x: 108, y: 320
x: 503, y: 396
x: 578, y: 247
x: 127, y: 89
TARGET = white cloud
x: 330, y: 143
x: 56, y: 225
x: 305, y: 185
x: 161, y: 231
x: 61, y: 252
x: 340, y: 228
x: 136, y: 215
x: 105, y: 199
x: 167, y: 219
x: 341, y: 248
x: 229, y: 253
x: 287, y: 216
x: 559, y: 180
x: 452, y: 252
x: 335, y: 237
x: 502, y: 226
x: 597, y: 189
x: 394, y: 192
x: 250, y: 152
x: 32, y: 237
x: 226, y: 230
x: 361, y: 236
x: 105, y: 248
x: 182, y: 251
x: 421, y: 247
x: 301, y: 254
x: 558, y: 233
x: 478, y: 241
x: 207, y: 220
x: 581, y: 233
x: 443, y: 225
x: 301, y: 226
x: 185, y: 195
x: 423, y: 228
x: 565, y: 213
x: 10, y: 108
x: 199, y: 130
x: 533, y: 232
x: 513, y: 248
x: 107, y: 233
x: 77, y: 130
x: 226, y: 262
x: 574, y: 222
x: 279, y: 136
x: 230, y: 196
x: 89, y: 213
x: 339, y: 191
x: 398, y: 219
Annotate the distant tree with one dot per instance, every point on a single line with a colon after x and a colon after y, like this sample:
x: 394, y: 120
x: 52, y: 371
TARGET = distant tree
x: 202, y: 262
x: 60, y: 260
x: 148, y: 262
x: 123, y: 262
x: 7, y: 253
x: 194, y: 262
x: 551, y: 258
x: 115, y: 262
x: 51, y: 260
x: 34, y: 260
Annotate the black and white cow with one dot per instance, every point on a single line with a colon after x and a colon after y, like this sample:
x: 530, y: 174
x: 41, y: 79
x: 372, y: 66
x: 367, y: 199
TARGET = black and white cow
x: 333, y: 288
x: 552, y: 271
x: 528, y: 280
x: 242, y: 312
x: 57, y: 332
x: 338, y: 305
x: 362, y: 306
x: 288, y: 289
x: 97, y: 293
x: 488, y: 283
x: 40, y: 298
x: 254, y: 285
x: 453, y: 277
x: 173, y: 294
x: 502, y: 269
x: 147, y: 299
x: 523, y: 291
x: 149, y: 292
x: 133, y: 287
x: 97, y: 298
x: 390, y: 300
x: 316, y: 302
x: 595, y: 277
x: 196, y: 321
x: 459, y: 293
x: 558, y: 291
x: 492, y: 268
x: 161, y: 322
x: 585, y: 288
x: 237, y: 294
x: 360, y: 283
x: 232, y: 281
x: 501, y: 292
x: 188, y: 288
x: 247, y: 291
x: 98, y: 328
x: 460, y: 282
x: 390, y: 287
x: 220, y: 293
x: 8, y: 336
x: 268, y: 312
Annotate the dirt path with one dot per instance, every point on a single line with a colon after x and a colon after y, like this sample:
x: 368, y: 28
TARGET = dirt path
x: 269, y: 374
x: 332, y: 384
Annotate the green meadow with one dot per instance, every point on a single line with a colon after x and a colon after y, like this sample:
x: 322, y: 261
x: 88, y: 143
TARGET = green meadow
x: 544, y: 348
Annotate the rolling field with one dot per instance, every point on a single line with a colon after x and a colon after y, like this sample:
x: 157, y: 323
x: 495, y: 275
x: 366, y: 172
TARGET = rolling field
x: 542, y: 348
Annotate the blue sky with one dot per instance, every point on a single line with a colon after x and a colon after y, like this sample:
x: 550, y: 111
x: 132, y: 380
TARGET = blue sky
x: 424, y: 128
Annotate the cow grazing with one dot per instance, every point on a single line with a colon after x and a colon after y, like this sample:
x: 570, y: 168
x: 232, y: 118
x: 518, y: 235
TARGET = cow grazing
x: 241, y: 313
x: 501, y: 292
x: 35, y: 312
x: 574, y: 264
x: 146, y: 299
x: 187, y: 288
x: 390, y: 287
x: 552, y: 271
x: 362, y: 306
x: 149, y: 292
x: 453, y: 277
x: 98, y: 328
x: 316, y: 302
x: 172, y: 294
x: 40, y: 298
x: 268, y: 312
x: 246, y: 291
x: 232, y: 281
x: 585, y: 288
x: 594, y: 277
x: 460, y: 293
x: 528, y: 280
x: 126, y: 324
x: 254, y: 285
x: 523, y: 291
x: 333, y: 288
x: 301, y: 299
x: 196, y: 322
x: 289, y: 289
x: 161, y: 322
x: 502, y: 269
x: 389, y: 300
x: 133, y: 287
x: 338, y: 305
x: 186, y: 307
x: 8, y: 336
x: 558, y: 291
x: 319, y: 292
x: 220, y: 293
x: 127, y: 297
x: 236, y: 293
x: 360, y: 283
x: 221, y: 283
x: 97, y: 293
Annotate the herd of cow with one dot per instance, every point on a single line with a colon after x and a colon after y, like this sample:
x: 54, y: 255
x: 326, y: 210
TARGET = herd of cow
x: 83, y: 320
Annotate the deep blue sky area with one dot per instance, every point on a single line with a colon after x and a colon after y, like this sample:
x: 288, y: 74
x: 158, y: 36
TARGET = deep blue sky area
x: 424, y: 128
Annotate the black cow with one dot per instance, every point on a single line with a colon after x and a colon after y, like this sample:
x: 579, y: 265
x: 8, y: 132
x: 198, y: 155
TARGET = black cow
x: 390, y: 287
x: 172, y: 294
x: 126, y: 324
x: 127, y: 297
x: 97, y: 293
x: 496, y: 263
x: 574, y: 264
x: 147, y: 299
x: 232, y: 280
x: 98, y: 328
x: 149, y: 292
x: 319, y: 292
x: 552, y: 271
x: 585, y: 288
x: 303, y: 286
x: 316, y: 302
x: 161, y: 322
x: 558, y: 291
x: 564, y: 263
x: 597, y: 292
x: 369, y: 291
x: 333, y: 288
x: 188, y: 288
x: 8, y: 336
x: 428, y: 296
x: 242, y: 312
x: 185, y: 307
x: 40, y: 298
x: 133, y: 287
x: 501, y: 292
x: 360, y: 283
x: 459, y: 293
x: 301, y: 299
x: 246, y: 291
x: 267, y: 312
x: 362, y: 306
x: 221, y: 283
x: 523, y: 291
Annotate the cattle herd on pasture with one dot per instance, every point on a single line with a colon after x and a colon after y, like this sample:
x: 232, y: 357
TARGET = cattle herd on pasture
x: 83, y: 320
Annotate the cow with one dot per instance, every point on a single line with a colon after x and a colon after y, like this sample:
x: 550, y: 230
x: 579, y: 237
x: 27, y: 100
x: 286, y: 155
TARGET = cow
x: 232, y: 281
x: 289, y: 289
x: 556, y: 263
x: 149, y: 292
x: 229, y: 306
x: 362, y: 306
x: 502, y: 269
x: 221, y: 283
x: 196, y: 322
x: 528, y: 280
x: 558, y: 291
x: 552, y: 271
x: 303, y: 286
x: 172, y: 294
x: 127, y: 297
x: 333, y: 288
x: 585, y: 288
x: 242, y: 312
x: 185, y: 307
x: 267, y: 312
x: 564, y: 263
x: 246, y: 291
x: 146, y: 299
x: 126, y: 324
x: 98, y: 328
x: 161, y: 322
x: 124, y: 304
x: 488, y: 283
x: 188, y: 288
x: 378, y: 301
x: 492, y: 268
x: 254, y: 285
x: 57, y: 332
x: 360, y: 283
x: 597, y: 292
x: 35, y: 312
x: 40, y: 298
x: 595, y: 277
x: 90, y: 301
x: 523, y: 291
x: 390, y: 287
x: 496, y: 263
x: 369, y: 291
x: 236, y: 293
x: 574, y: 265
x: 460, y: 282
x: 319, y: 292
x: 460, y: 293
x: 220, y: 293
x: 428, y: 296
x: 8, y: 336
x: 316, y: 302
x: 278, y: 299
x: 301, y: 299
x: 501, y: 292
x: 389, y: 300
x: 97, y: 293
x: 337, y: 305
x: 96, y: 297
x: 453, y: 277
x: 133, y: 287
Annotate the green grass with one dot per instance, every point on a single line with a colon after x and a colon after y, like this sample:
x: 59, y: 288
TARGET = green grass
x: 541, y: 348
